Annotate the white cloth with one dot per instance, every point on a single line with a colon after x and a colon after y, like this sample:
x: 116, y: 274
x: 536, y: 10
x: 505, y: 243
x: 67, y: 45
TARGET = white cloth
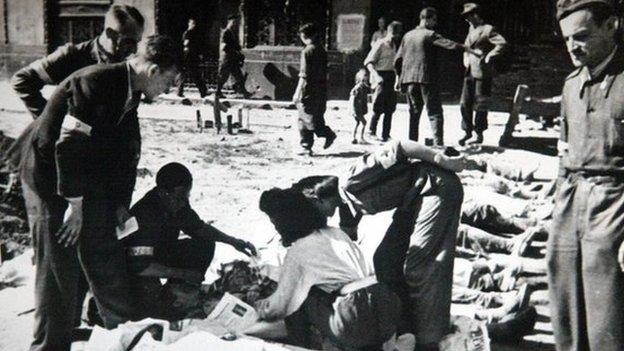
x: 327, y: 259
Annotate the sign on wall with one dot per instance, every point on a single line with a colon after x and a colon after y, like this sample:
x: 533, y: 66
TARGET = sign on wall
x: 350, y: 32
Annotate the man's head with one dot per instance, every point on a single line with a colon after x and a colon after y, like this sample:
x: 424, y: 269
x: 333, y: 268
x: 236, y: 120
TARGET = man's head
x: 381, y: 23
x: 123, y: 29
x: 173, y: 183
x: 429, y: 17
x: 156, y: 65
x: 232, y: 21
x: 322, y: 191
x: 589, y: 29
x: 395, y: 30
x: 472, y: 13
x: 191, y: 23
x: 308, y: 33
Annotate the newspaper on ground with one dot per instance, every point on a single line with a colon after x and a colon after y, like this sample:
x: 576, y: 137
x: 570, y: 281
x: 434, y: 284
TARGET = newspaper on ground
x: 234, y: 314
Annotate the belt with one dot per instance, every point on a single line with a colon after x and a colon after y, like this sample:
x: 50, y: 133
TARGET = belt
x: 358, y: 284
x: 140, y: 251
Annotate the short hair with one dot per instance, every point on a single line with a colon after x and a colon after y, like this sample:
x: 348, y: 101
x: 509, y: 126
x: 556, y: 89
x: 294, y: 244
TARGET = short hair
x: 173, y: 175
x: 122, y: 14
x: 160, y: 50
x: 293, y: 215
x: 308, y: 30
x: 320, y: 186
x: 395, y: 26
x: 428, y: 13
x: 600, y: 12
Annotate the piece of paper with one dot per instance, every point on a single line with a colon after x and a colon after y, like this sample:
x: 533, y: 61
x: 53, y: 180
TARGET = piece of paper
x: 130, y: 226
x: 234, y: 314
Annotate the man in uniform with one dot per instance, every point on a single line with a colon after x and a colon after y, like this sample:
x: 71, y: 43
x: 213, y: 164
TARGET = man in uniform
x: 191, y: 41
x: 416, y: 65
x: 586, y: 246
x: 231, y: 59
x: 77, y: 172
x: 486, y: 45
x: 380, y: 64
x: 123, y: 29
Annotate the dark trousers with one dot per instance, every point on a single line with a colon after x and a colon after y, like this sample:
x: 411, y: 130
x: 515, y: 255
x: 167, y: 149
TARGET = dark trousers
x: 384, y: 102
x: 312, y: 122
x: 191, y: 71
x: 585, y: 280
x: 415, y: 257
x: 475, y: 97
x: 58, y: 269
x: 363, y: 319
x: 227, y: 67
x: 418, y: 96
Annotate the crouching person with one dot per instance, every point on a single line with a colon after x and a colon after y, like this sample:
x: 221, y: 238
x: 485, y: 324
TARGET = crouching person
x: 325, y: 281
x: 154, y: 250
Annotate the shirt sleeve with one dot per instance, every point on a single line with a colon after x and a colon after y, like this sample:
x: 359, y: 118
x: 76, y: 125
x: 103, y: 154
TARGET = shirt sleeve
x: 190, y: 222
x: 292, y: 290
x: 440, y: 41
x: 303, y: 64
x: 398, y: 58
x: 374, y: 54
x: 498, y: 41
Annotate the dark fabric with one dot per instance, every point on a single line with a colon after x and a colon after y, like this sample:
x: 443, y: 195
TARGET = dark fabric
x: 475, y: 97
x: 194, y: 44
x: 311, y: 122
x: 417, y: 57
x: 486, y: 39
x: 192, y: 72
x: 58, y: 65
x: 585, y: 280
x: 418, y: 96
x: 488, y: 218
x: 231, y: 48
x: 231, y: 66
x: 384, y: 102
x: 593, y: 120
x: 359, y: 94
x: 313, y: 68
x: 363, y: 318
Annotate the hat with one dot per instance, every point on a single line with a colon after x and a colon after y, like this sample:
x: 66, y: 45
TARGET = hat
x: 469, y: 7
x: 566, y: 7
x: 173, y: 175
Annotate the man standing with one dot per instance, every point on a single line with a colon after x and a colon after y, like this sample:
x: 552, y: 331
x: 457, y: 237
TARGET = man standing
x: 123, y: 29
x: 380, y: 64
x: 485, y: 44
x: 231, y: 59
x: 380, y: 33
x: 191, y: 41
x: 586, y: 247
x: 416, y: 64
x: 311, y: 93
x: 76, y: 172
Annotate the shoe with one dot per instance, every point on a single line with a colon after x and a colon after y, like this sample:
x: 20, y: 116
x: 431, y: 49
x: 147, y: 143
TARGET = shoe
x: 354, y: 141
x: 462, y: 141
x: 478, y: 139
x: 386, y: 139
x: 304, y: 151
x: 514, y: 327
x: 329, y: 140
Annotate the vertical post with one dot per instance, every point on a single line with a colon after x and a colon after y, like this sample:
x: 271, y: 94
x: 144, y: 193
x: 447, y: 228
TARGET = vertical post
x: 217, y: 113
x: 200, y: 122
x: 519, y: 98
x: 230, y: 129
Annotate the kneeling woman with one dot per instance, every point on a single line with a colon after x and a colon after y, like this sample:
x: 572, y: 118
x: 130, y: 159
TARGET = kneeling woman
x: 325, y: 281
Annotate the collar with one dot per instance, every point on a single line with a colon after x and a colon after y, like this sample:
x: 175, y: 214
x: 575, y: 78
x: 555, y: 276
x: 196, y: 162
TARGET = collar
x: 597, y: 71
x: 133, y: 97
x: 602, y: 71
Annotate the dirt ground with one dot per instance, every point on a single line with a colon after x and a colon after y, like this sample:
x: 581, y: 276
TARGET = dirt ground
x: 231, y: 171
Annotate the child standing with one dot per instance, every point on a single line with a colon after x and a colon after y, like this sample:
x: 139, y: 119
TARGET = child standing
x: 358, y: 101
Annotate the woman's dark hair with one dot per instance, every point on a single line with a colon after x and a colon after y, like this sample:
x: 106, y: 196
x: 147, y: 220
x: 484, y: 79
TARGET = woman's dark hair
x: 293, y: 215
x: 322, y: 186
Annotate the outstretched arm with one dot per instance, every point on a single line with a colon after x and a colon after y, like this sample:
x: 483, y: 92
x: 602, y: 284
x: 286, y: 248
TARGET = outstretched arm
x: 414, y: 150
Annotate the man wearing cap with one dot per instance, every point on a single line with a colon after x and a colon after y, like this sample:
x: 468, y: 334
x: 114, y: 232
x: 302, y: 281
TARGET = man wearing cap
x: 585, y: 249
x: 231, y: 58
x: 192, y: 44
x: 485, y: 44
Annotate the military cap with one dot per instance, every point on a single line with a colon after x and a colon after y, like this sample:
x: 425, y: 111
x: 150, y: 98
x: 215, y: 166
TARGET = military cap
x: 566, y: 7
x: 469, y: 7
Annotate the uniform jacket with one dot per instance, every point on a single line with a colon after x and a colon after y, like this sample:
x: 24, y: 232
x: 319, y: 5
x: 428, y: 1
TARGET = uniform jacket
x: 593, y: 119
x: 83, y: 139
x: 52, y: 69
x: 417, y: 58
x: 490, y: 42
x: 230, y: 47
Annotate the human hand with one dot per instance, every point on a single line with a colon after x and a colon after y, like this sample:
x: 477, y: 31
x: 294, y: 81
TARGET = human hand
x: 72, y: 224
x: 451, y: 163
x: 245, y: 247
x: 122, y: 215
x: 397, y: 86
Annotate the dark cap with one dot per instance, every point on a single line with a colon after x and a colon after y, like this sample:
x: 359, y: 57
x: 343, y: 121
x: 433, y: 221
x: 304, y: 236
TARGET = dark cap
x: 566, y: 7
x: 173, y: 175
x: 469, y: 8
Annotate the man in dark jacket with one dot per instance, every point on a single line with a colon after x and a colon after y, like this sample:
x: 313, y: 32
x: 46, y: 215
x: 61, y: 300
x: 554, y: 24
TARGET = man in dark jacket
x: 192, y: 41
x: 416, y: 65
x: 77, y: 172
x: 231, y: 59
x: 123, y: 29
x: 485, y: 45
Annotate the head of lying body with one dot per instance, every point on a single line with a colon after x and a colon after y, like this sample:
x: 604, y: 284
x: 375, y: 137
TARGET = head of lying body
x: 155, y: 66
x: 173, y: 186
x: 293, y: 214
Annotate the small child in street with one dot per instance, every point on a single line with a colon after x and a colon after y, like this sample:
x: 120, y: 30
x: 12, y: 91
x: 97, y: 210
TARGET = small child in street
x: 358, y: 102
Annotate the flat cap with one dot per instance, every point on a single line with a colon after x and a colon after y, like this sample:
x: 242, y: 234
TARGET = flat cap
x: 566, y: 7
x: 469, y: 7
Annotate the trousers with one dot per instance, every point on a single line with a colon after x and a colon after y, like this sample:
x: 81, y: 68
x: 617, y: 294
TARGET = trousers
x: 419, y: 96
x: 474, y: 97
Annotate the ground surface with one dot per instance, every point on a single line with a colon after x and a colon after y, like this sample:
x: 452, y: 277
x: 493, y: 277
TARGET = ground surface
x: 231, y: 171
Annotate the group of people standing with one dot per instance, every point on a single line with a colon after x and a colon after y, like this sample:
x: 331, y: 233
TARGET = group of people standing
x: 411, y: 65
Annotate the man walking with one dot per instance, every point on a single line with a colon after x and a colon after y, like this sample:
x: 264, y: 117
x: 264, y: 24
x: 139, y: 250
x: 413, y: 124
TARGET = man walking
x: 77, y: 172
x: 231, y: 59
x: 586, y: 246
x: 191, y: 41
x: 485, y: 44
x: 416, y: 65
x: 380, y: 64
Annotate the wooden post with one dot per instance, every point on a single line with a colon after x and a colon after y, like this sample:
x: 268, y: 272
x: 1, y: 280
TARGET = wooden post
x: 217, y: 113
x: 200, y: 122
x: 519, y: 98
